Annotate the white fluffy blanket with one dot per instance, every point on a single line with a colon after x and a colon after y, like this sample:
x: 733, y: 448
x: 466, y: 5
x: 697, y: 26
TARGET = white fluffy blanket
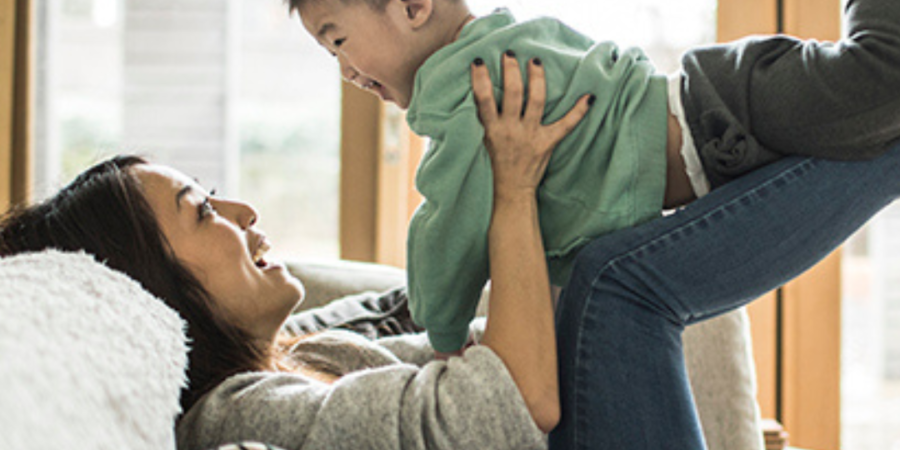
x: 88, y: 359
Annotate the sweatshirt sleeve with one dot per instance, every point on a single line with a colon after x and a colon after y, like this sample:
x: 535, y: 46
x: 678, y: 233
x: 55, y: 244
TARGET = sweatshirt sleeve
x: 447, y: 255
x: 466, y: 402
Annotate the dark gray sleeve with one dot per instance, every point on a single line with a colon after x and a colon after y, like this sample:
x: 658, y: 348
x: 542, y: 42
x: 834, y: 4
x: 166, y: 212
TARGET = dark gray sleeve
x: 751, y: 101
x: 468, y: 402
x: 371, y: 314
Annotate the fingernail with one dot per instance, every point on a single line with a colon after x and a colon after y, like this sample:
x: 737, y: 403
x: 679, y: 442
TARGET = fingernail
x: 479, y: 62
x: 537, y: 61
x: 511, y: 53
x: 592, y: 99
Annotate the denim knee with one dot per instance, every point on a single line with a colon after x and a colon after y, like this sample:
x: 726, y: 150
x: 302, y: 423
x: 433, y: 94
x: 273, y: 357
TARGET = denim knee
x: 596, y: 256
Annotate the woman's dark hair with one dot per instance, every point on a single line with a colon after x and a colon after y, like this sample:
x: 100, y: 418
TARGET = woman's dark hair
x: 104, y: 212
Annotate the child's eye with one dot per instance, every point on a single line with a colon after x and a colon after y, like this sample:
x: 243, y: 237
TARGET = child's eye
x: 338, y: 42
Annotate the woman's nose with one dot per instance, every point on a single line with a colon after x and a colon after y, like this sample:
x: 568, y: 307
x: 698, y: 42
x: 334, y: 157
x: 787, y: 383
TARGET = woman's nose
x: 241, y: 214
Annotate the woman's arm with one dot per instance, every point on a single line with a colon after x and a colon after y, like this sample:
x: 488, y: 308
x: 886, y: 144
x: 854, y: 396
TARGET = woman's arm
x: 520, y: 326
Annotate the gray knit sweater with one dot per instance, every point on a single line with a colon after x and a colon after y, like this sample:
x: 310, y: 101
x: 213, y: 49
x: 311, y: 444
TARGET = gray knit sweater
x: 394, y: 398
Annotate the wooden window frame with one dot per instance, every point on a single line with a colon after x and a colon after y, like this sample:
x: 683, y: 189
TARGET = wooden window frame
x: 15, y: 95
x: 797, y: 328
x: 379, y: 156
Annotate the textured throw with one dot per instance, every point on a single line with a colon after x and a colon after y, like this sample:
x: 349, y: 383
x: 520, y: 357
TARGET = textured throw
x: 88, y: 359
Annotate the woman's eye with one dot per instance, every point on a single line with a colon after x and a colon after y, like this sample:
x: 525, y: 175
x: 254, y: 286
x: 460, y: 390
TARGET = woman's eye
x: 206, y: 208
x: 338, y: 42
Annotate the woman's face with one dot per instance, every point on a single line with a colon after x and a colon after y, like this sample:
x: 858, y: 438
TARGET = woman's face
x: 215, y: 239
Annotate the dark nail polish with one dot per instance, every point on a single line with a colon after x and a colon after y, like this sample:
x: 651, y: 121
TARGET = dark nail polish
x: 537, y: 61
x: 511, y: 53
x: 479, y: 62
x: 592, y: 99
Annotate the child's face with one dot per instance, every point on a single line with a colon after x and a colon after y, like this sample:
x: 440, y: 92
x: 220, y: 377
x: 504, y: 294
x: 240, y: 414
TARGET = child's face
x: 377, y: 50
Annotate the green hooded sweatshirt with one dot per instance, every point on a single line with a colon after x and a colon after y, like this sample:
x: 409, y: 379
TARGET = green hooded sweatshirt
x: 609, y: 173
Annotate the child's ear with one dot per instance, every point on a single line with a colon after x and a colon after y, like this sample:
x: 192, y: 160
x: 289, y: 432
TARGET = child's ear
x: 418, y: 11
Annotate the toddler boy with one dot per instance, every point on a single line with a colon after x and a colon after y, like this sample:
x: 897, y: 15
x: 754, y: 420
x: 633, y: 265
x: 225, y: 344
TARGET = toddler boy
x: 637, y: 151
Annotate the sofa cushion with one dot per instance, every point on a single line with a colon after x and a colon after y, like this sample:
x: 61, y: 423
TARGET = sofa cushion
x: 720, y: 365
x: 89, y: 359
x: 328, y: 280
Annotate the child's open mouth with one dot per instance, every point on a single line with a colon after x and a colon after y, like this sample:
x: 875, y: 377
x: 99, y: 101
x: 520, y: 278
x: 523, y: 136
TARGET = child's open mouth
x: 376, y: 88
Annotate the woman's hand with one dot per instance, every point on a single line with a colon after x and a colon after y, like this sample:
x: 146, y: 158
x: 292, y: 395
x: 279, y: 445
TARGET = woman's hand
x: 520, y: 327
x: 518, y: 144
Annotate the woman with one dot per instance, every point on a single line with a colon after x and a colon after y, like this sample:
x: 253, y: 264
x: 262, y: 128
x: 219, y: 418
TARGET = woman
x: 204, y: 257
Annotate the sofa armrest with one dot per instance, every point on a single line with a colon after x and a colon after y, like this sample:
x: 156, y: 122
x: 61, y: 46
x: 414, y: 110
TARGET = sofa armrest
x: 327, y: 280
x: 719, y: 359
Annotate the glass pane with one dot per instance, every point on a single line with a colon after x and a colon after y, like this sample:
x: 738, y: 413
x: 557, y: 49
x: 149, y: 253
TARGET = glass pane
x: 290, y: 131
x: 229, y: 91
x: 78, y: 104
x: 870, y: 372
x: 663, y: 28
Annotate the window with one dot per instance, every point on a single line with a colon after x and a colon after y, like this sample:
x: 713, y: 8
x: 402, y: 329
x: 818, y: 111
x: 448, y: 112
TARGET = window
x: 230, y: 91
x: 289, y: 120
x: 663, y: 28
x: 870, y: 366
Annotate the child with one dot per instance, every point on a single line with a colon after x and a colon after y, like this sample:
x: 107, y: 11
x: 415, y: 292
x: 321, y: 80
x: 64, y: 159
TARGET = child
x: 744, y: 104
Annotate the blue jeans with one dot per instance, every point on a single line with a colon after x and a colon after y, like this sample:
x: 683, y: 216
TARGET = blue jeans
x: 632, y: 293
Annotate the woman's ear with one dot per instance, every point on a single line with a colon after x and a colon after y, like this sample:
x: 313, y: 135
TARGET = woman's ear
x: 418, y: 12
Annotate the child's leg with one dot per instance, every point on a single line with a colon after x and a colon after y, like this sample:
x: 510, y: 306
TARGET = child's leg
x: 832, y: 100
x: 622, y: 374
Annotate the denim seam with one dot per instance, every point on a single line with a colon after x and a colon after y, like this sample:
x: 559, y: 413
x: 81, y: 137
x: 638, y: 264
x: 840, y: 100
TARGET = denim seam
x: 795, y: 169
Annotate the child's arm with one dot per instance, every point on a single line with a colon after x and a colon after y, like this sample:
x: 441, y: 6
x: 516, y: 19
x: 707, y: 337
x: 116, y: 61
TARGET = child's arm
x: 447, y: 255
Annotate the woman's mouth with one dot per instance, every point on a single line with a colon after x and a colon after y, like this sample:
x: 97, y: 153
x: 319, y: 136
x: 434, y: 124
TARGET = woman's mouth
x: 258, y: 259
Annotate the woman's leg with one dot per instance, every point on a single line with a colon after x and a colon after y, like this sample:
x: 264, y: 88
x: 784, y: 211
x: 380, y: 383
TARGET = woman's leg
x: 620, y: 319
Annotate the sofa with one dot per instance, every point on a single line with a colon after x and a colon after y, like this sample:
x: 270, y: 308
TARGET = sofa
x: 81, y: 368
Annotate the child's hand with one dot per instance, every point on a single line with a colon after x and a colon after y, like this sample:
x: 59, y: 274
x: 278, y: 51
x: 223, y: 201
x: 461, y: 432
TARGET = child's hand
x: 444, y: 356
x: 519, y: 145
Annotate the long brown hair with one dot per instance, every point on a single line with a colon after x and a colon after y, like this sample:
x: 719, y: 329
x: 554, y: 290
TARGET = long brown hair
x: 104, y: 213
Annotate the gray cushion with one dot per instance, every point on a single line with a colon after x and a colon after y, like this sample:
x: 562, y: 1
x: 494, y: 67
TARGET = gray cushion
x: 328, y: 280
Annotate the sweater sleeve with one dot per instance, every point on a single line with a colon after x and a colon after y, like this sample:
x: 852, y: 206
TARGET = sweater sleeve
x: 447, y: 255
x: 467, y: 402
x: 415, y: 348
